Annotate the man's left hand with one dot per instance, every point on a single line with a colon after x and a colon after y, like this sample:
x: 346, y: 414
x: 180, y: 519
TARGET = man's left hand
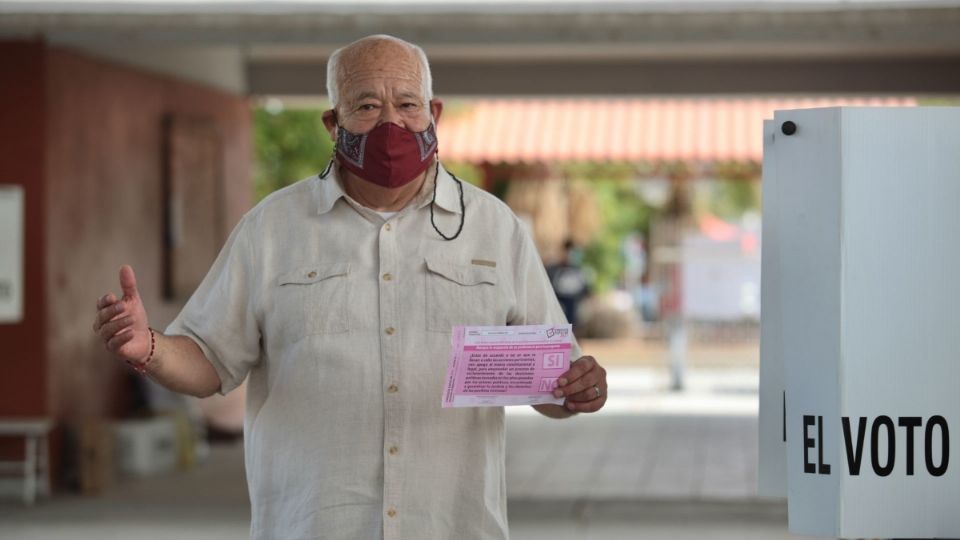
x: 584, y: 386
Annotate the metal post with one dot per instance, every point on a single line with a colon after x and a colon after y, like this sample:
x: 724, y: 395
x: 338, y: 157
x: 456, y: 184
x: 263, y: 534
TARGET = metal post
x: 30, y: 470
x: 678, y: 351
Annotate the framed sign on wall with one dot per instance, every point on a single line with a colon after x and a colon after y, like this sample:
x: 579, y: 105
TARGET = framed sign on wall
x: 193, y: 189
x: 11, y: 254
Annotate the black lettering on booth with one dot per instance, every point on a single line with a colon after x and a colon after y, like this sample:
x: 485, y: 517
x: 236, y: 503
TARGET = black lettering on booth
x: 944, y: 446
x: 883, y: 470
x: 854, y: 456
x: 854, y: 444
x: 808, y: 443
x: 910, y: 422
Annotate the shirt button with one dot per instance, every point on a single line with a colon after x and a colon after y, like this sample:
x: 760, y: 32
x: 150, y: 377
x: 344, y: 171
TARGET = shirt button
x: 394, y: 450
x: 391, y: 512
x: 390, y: 330
x: 392, y: 389
x: 312, y: 275
x: 387, y: 227
x: 387, y: 277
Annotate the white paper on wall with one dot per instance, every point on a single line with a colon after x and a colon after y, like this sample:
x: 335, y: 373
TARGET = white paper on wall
x: 11, y: 254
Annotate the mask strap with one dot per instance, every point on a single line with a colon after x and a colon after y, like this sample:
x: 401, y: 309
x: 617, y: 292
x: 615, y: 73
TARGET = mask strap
x: 333, y: 153
x: 463, y: 208
x: 329, y: 166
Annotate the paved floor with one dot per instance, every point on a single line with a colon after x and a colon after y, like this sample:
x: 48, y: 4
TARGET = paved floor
x: 633, y: 457
x: 668, y: 521
x: 654, y: 464
x: 648, y: 443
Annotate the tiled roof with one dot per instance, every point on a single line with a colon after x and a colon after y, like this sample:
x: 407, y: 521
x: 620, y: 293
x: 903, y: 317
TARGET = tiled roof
x: 619, y: 129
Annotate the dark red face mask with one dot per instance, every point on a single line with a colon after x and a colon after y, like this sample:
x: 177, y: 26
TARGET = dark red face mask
x: 388, y: 155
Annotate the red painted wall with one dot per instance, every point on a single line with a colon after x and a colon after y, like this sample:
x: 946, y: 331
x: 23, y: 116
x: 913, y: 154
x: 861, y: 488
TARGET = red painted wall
x: 104, y: 205
x: 85, y: 138
x: 23, y: 384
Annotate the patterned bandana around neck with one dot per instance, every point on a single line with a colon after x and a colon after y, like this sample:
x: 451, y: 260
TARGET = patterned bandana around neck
x: 388, y: 155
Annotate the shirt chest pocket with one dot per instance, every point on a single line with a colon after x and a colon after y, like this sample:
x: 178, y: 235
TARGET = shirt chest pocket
x: 314, y: 300
x: 462, y: 295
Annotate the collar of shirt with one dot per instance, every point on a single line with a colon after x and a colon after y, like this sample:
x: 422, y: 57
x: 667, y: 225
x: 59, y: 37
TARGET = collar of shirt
x: 329, y: 189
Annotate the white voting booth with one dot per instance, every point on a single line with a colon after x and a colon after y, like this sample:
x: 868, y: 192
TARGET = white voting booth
x: 860, y: 346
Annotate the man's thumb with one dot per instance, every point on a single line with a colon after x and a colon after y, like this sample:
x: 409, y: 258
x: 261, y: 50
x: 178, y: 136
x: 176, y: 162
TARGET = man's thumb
x: 128, y: 281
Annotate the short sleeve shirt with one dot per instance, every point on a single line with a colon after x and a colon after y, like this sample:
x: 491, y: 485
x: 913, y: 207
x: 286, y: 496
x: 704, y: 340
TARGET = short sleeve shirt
x: 342, y: 320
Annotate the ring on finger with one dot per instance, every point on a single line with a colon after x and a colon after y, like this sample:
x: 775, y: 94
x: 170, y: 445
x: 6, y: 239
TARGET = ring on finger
x: 597, y: 390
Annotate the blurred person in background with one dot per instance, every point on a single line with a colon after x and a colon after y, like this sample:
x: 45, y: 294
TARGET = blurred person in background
x: 569, y: 280
x: 337, y: 296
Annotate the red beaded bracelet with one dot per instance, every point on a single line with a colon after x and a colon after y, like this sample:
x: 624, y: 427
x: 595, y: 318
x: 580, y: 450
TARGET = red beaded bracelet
x: 142, y: 366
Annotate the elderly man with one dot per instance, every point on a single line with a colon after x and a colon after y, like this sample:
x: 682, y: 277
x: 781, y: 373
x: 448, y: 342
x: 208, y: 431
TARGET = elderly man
x: 336, y: 297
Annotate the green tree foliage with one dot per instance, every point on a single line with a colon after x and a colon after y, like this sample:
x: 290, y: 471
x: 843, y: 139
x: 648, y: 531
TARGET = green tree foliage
x: 623, y: 211
x: 289, y: 145
x: 470, y: 174
x: 939, y: 101
x: 727, y: 199
x: 732, y: 190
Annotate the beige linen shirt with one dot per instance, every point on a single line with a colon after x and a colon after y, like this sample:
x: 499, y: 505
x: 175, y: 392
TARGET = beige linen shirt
x: 342, y: 322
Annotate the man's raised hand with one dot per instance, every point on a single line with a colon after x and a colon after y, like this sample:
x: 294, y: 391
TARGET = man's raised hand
x: 122, y: 324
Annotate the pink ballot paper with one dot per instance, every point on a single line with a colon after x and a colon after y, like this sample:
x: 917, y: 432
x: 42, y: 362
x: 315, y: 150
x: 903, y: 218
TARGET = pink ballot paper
x: 506, y: 365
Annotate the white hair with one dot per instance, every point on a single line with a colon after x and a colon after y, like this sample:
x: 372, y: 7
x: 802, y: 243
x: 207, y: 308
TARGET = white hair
x: 333, y: 65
